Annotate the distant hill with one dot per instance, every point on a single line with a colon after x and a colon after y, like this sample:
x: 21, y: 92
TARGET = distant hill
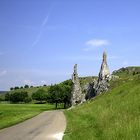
x: 30, y: 90
x: 128, y: 70
x: 3, y: 92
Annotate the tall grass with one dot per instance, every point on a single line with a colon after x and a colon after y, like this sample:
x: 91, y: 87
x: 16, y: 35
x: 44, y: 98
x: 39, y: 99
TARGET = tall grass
x: 111, y: 116
x: 11, y: 114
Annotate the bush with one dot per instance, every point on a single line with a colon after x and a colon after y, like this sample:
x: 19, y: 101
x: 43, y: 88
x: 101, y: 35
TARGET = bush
x: 18, y: 97
x: 11, y: 88
x: 1, y: 99
x: 26, y: 86
x: 16, y: 88
x: 7, y: 97
x: 40, y: 95
x: 27, y: 100
x: 60, y: 93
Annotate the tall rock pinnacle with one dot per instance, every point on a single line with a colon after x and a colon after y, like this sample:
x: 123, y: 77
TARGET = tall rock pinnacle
x: 104, y: 76
x: 76, y: 89
x: 104, y: 71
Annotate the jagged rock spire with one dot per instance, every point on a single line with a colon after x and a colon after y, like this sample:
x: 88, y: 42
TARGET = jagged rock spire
x: 104, y: 71
x: 76, y: 89
x: 104, y: 76
x: 75, y: 69
x: 104, y: 57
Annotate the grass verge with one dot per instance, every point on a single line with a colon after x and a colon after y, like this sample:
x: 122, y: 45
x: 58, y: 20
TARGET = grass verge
x: 11, y: 114
x: 111, y: 116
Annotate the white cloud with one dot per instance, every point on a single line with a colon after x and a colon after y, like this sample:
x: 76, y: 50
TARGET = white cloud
x: 2, y: 73
x: 28, y: 82
x: 43, y: 82
x: 95, y: 43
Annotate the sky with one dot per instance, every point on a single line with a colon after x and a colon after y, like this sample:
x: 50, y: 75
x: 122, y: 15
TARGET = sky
x: 41, y: 40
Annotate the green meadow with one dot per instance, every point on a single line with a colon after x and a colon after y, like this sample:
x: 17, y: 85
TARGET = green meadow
x: 11, y: 114
x: 114, y: 115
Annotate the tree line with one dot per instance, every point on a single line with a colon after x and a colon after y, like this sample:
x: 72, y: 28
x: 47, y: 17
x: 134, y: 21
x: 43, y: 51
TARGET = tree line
x: 58, y: 93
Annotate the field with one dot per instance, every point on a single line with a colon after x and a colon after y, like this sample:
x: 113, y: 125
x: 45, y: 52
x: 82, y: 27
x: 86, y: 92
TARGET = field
x: 114, y: 115
x: 11, y: 114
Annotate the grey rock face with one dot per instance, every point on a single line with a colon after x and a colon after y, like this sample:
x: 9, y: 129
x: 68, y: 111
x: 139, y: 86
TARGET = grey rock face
x: 76, y: 96
x: 102, y: 84
x: 104, y: 71
x: 91, y: 90
x: 104, y: 76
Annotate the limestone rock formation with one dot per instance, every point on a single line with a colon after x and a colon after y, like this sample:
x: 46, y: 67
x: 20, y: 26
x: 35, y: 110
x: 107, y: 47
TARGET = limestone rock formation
x: 91, y: 90
x: 76, y: 96
x: 102, y: 83
x: 104, y: 76
x: 104, y: 71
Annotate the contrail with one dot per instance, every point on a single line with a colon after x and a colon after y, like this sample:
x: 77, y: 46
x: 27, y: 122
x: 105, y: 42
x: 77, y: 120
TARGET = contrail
x: 45, y: 21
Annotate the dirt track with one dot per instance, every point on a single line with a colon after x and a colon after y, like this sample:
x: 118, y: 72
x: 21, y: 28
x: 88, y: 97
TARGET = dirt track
x: 48, y: 125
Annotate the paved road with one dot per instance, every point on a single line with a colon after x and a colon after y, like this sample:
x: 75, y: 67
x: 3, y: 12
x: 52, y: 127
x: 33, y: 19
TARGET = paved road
x: 48, y: 125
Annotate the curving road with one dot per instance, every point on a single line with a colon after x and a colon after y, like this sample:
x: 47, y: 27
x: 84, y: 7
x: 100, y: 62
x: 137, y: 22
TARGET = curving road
x: 49, y: 125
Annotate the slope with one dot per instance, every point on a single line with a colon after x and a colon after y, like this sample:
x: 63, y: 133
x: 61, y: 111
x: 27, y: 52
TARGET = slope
x: 114, y: 115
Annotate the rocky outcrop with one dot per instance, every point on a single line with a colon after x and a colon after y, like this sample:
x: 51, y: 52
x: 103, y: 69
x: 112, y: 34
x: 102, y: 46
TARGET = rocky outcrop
x: 76, y: 96
x: 91, y: 90
x: 104, y: 76
x: 94, y: 88
x: 102, y: 83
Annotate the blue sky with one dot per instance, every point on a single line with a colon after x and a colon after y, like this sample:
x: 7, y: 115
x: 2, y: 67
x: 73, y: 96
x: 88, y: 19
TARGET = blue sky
x: 41, y: 40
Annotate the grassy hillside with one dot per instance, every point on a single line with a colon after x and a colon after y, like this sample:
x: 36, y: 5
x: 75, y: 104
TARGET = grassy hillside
x: 114, y: 115
x: 31, y: 90
x: 11, y: 114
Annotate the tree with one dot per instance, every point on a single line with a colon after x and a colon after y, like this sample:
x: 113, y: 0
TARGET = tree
x: 16, y: 88
x: 60, y: 93
x: 11, y: 88
x: 66, y: 95
x: 18, y: 97
x: 54, y: 95
x: 26, y: 86
x: 1, y: 99
x: 7, y: 97
x: 39, y: 95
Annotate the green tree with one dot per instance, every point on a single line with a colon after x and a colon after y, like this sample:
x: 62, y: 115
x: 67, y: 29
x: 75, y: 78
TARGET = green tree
x: 60, y: 93
x: 26, y: 86
x: 18, y: 97
x: 15, y: 88
x: 40, y: 95
x: 11, y: 88
x: 7, y: 97
x: 54, y: 94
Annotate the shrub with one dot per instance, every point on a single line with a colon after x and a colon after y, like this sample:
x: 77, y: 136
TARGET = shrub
x: 7, y: 97
x: 26, y: 86
x: 16, y: 88
x: 18, y: 97
x: 40, y: 95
